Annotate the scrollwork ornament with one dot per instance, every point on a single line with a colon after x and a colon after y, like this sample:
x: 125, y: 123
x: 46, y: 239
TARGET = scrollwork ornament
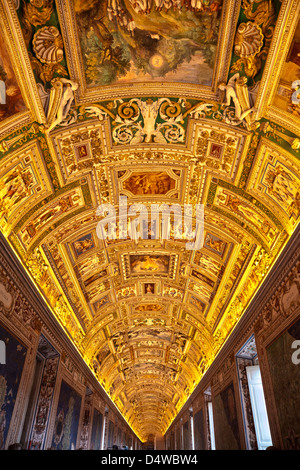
x: 128, y: 111
x: 170, y: 110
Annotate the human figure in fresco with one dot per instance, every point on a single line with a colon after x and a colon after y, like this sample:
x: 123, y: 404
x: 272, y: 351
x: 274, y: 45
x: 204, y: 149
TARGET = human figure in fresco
x: 149, y: 289
x: 63, y: 205
x: 282, y: 185
x: 12, y: 180
x: 14, y: 188
x: 216, y: 245
x: 83, y: 245
x: 240, y: 208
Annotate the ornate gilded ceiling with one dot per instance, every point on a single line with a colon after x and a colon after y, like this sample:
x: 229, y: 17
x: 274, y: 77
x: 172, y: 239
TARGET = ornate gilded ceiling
x: 161, y: 101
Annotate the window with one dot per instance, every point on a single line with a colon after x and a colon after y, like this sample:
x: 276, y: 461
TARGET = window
x: 211, y: 425
x: 192, y: 431
x: 256, y: 424
x: 259, y: 410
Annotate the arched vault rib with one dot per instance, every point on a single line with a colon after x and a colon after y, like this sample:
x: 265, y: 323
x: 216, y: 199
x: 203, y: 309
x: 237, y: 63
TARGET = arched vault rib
x: 148, y: 316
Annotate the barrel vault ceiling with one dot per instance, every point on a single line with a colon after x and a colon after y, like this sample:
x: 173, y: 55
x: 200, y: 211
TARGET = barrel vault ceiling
x: 147, y: 117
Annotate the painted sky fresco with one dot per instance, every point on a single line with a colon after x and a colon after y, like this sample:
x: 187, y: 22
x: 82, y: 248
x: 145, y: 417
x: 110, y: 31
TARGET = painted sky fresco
x: 149, y: 263
x: 125, y: 40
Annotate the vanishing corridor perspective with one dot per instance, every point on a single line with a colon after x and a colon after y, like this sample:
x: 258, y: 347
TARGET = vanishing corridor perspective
x: 133, y: 339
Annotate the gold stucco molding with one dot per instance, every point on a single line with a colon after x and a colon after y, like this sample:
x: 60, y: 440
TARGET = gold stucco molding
x: 285, y: 28
x: 230, y: 13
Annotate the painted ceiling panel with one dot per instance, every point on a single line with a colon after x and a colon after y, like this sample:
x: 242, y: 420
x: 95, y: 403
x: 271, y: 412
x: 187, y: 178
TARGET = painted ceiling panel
x: 159, y: 102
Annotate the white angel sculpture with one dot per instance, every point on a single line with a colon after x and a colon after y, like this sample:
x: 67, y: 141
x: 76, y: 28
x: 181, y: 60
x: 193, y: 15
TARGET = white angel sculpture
x: 235, y: 90
x: 61, y: 99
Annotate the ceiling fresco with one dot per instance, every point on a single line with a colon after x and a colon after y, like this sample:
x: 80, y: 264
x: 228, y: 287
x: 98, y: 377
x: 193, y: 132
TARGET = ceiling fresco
x: 159, y: 102
x: 138, y: 41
